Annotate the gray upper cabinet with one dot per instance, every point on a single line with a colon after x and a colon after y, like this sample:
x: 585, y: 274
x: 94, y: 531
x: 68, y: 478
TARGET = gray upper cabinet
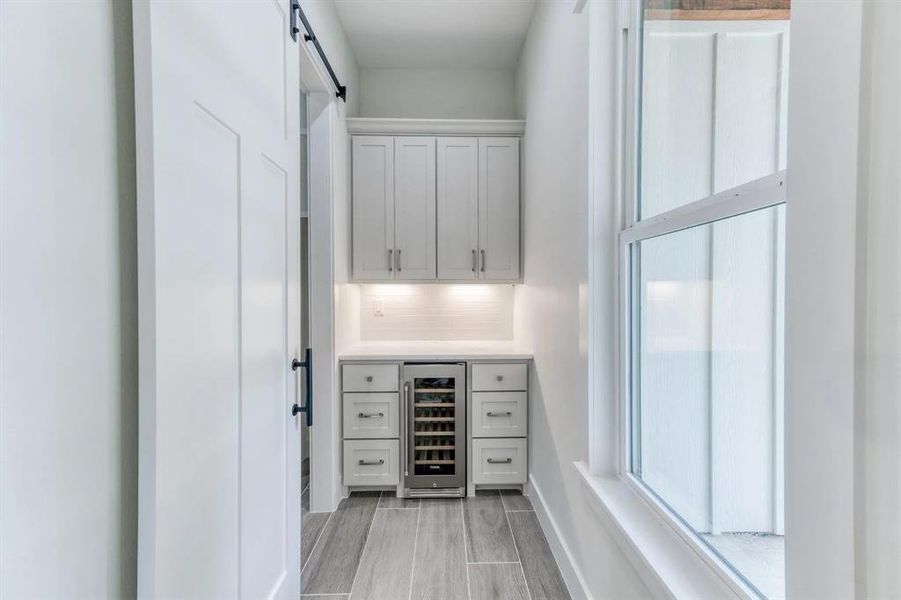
x: 373, y: 208
x: 498, y: 208
x: 414, y: 208
x: 458, y: 208
x: 427, y: 208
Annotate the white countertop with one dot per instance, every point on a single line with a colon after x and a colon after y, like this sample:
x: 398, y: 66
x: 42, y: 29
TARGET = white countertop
x: 443, y: 350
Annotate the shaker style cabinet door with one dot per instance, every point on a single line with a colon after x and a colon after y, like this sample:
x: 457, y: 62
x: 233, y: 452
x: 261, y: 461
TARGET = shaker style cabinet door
x: 373, y: 208
x: 498, y: 208
x: 414, y: 208
x: 458, y: 208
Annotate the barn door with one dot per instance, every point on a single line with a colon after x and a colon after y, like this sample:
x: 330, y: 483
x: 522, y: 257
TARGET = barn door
x: 217, y: 99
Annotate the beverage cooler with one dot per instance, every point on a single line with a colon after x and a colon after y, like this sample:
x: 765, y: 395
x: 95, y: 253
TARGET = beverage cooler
x: 435, y: 440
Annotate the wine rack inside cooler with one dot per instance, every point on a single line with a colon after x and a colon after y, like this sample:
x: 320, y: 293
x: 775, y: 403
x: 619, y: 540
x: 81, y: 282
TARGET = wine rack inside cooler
x: 435, y: 405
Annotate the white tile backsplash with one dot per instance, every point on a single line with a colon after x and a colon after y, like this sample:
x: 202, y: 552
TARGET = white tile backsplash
x: 436, y: 312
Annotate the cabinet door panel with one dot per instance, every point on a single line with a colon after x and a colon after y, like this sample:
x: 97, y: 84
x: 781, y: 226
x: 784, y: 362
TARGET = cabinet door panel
x: 458, y: 208
x: 373, y: 207
x: 414, y: 208
x: 499, y: 208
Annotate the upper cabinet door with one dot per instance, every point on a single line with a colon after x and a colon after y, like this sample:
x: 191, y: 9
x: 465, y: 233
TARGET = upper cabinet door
x: 414, y: 208
x: 458, y: 208
x: 373, y: 208
x: 499, y: 208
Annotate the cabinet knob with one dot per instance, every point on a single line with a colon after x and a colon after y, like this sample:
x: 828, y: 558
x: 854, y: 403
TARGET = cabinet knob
x: 369, y: 378
x: 500, y: 377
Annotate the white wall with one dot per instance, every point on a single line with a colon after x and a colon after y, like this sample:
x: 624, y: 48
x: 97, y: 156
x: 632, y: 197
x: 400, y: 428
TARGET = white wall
x: 552, y: 92
x: 438, y: 93
x: 843, y: 289
x: 879, y: 289
x: 323, y: 18
x: 328, y: 244
x: 68, y: 301
x: 821, y: 520
x: 334, y: 304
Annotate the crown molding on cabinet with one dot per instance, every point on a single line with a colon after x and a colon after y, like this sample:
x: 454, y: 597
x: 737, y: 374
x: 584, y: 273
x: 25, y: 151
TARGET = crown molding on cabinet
x: 442, y: 127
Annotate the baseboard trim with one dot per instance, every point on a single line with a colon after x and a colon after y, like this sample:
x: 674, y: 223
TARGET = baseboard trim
x: 575, y: 583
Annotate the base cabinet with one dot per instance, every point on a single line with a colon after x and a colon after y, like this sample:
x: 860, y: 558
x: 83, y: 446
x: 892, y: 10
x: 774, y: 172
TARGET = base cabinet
x: 371, y: 462
x: 371, y: 418
x: 498, y: 424
x: 499, y: 461
x: 376, y: 401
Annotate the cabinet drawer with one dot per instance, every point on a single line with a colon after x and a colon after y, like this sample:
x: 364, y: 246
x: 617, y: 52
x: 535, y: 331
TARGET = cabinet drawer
x: 370, y: 378
x: 499, y: 460
x: 371, y: 415
x: 499, y: 414
x: 371, y: 462
x: 491, y: 377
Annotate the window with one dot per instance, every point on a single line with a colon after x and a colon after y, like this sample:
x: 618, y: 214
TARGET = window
x: 703, y: 276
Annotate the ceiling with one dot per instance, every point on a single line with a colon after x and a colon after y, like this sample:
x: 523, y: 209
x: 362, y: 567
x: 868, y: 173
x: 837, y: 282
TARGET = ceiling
x: 436, y: 34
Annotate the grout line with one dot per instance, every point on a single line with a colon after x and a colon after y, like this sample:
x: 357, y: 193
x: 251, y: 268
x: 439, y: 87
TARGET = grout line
x: 316, y: 543
x: 516, y: 546
x: 521, y: 510
x: 465, y: 551
x: 398, y: 508
x: 365, y: 545
x: 465, y: 556
x: 500, y: 562
x: 415, y: 543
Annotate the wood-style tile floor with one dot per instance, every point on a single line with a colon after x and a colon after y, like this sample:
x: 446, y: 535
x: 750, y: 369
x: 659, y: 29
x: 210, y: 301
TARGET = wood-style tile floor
x: 379, y: 547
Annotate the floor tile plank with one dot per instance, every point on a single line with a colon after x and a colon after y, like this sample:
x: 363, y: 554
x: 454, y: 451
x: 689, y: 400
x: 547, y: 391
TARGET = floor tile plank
x: 497, y: 582
x: 541, y: 572
x: 334, y: 561
x: 390, y: 500
x: 488, y: 536
x: 514, y: 500
x: 386, y: 566
x: 439, y: 571
x: 311, y: 525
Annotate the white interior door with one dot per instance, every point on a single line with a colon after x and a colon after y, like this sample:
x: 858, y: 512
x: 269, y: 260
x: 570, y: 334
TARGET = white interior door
x: 458, y: 207
x: 217, y: 98
x: 499, y: 208
x: 373, y: 208
x: 414, y: 207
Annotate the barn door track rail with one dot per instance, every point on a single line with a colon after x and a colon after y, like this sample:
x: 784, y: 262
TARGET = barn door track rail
x: 309, y: 36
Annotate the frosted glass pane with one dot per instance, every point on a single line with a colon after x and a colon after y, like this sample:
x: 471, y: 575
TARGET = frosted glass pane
x: 713, y: 100
x: 707, y: 388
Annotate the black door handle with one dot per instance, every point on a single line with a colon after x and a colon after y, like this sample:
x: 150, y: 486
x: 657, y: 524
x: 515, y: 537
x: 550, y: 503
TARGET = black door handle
x: 308, y: 365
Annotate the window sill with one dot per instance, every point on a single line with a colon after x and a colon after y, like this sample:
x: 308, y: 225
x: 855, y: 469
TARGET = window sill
x: 669, y: 562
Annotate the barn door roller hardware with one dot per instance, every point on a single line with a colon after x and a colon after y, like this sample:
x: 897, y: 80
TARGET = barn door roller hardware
x: 309, y: 36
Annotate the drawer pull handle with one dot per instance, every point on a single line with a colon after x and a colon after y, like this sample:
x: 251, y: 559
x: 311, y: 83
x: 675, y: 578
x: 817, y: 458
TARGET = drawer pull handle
x: 500, y: 377
x: 499, y: 414
x: 377, y: 415
x: 369, y: 463
x: 504, y: 461
x: 369, y: 378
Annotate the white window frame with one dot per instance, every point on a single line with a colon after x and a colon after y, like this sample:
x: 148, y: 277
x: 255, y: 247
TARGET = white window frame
x: 614, y: 493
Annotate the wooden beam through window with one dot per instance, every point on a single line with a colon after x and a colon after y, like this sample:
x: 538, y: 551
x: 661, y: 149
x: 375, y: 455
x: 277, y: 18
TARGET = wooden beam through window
x: 717, y: 10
